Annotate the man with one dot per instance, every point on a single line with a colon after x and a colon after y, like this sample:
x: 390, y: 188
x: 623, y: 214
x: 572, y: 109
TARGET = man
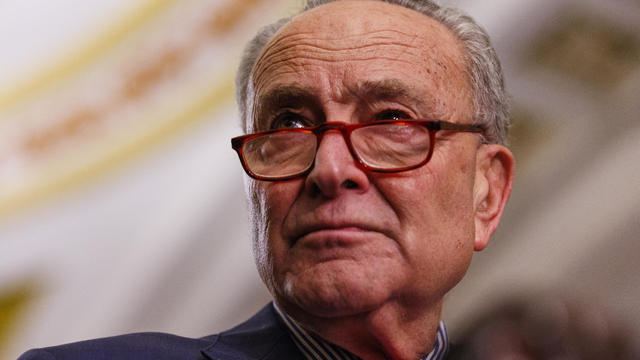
x: 376, y: 167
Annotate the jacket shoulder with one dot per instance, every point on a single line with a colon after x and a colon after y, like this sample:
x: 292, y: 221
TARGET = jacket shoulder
x: 130, y: 346
x: 261, y: 337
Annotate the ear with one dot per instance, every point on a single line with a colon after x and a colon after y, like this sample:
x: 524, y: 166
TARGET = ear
x: 491, y: 190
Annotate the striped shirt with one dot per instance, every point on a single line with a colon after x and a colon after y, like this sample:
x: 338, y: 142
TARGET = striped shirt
x: 315, y: 348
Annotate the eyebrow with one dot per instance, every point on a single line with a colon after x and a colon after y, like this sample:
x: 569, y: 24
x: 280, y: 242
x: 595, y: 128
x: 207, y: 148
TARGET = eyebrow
x: 393, y: 90
x: 365, y: 93
x: 288, y: 96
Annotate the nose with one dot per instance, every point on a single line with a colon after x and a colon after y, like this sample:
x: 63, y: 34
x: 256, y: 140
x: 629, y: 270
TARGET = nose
x: 335, y: 171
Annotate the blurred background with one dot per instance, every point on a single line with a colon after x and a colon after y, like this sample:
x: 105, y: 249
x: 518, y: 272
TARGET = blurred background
x: 122, y: 205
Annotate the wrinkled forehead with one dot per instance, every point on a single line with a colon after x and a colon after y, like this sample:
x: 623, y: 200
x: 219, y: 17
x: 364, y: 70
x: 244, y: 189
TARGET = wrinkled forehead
x: 349, y: 31
x: 352, y: 17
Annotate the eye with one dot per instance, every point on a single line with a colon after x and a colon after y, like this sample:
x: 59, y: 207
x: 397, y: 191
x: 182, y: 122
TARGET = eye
x: 288, y: 120
x: 392, y: 115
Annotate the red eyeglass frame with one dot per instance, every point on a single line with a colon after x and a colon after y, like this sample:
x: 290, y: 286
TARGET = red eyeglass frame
x: 432, y: 126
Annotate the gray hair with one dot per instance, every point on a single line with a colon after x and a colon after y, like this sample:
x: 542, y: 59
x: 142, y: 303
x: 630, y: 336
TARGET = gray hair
x: 484, y: 72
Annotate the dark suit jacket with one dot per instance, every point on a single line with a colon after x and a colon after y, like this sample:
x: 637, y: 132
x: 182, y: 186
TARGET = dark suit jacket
x: 262, y: 337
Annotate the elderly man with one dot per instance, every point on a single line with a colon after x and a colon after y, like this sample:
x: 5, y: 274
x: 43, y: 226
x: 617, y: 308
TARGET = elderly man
x: 376, y: 167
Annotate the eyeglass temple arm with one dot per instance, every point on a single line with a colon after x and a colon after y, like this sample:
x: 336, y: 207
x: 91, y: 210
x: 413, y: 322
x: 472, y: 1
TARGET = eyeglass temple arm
x: 444, y: 125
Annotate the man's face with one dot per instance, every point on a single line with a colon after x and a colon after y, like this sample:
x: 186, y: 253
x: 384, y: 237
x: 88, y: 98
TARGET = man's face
x: 342, y: 241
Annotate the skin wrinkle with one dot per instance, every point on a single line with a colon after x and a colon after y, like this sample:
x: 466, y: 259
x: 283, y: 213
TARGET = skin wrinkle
x: 278, y: 59
x: 318, y: 43
x: 432, y: 109
x: 273, y: 49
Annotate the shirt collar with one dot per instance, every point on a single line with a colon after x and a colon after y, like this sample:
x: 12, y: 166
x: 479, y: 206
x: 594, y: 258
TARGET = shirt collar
x: 315, y: 348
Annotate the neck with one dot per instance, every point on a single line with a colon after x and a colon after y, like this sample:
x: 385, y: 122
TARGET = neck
x: 389, y: 332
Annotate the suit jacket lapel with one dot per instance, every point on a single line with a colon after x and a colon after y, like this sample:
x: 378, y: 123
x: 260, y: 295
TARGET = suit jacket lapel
x: 262, y: 337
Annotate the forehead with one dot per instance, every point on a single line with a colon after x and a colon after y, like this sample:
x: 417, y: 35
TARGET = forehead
x: 342, y: 45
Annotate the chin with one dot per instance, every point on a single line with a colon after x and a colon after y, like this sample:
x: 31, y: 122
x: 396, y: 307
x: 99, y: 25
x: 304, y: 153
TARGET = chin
x: 332, y: 291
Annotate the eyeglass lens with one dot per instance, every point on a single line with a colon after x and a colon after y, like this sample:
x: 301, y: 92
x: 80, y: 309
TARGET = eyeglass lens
x: 380, y: 146
x: 280, y: 154
x: 390, y: 146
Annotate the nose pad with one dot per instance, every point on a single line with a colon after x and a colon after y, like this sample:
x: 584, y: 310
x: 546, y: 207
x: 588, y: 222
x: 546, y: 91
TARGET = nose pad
x: 335, y: 170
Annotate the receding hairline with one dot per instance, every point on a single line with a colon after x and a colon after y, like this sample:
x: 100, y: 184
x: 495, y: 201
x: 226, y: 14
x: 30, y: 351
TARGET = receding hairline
x: 293, y: 21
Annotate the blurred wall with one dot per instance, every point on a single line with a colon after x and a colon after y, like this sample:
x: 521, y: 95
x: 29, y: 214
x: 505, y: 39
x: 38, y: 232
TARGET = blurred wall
x: 121, y: 201
x: 122, y: 205
x: 573, y: 223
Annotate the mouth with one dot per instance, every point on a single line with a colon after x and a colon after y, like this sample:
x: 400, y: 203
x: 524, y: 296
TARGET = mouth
x: 324, y: 235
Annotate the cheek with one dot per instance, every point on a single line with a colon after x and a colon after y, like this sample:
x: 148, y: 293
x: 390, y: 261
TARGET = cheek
x: 278, y: 199
x: 428, y: 196
x: 435, y: 208
x: 438, y: 229
x: 270, y: 204
x: 451, y: 196
x: 450, y: 179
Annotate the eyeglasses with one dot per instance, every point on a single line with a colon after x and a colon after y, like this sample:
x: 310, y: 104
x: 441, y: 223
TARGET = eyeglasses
x: 385, y: 146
